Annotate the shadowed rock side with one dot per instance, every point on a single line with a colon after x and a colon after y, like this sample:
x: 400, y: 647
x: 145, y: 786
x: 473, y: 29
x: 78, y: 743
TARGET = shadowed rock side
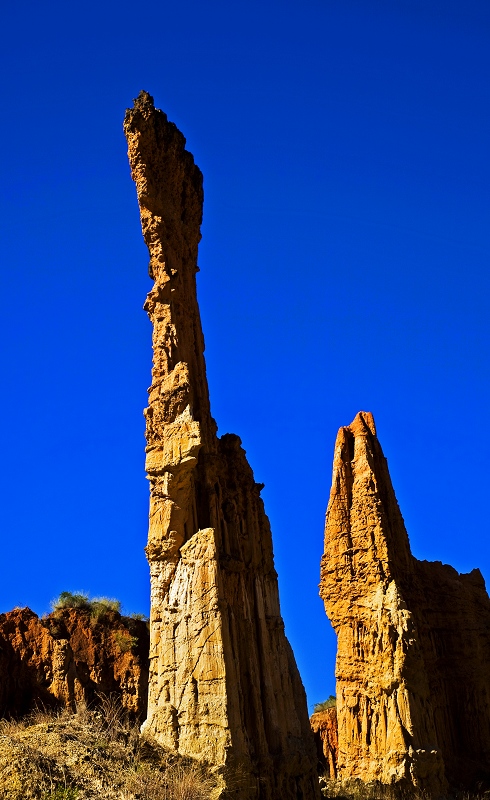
x: 324, y: 727
x: 223, y: 681
x: 68, y: 658
x: 413, y: 658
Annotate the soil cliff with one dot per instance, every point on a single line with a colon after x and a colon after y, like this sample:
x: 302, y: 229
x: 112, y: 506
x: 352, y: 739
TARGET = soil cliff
x: 68, y: 659
x: 413, y: 659
x: 224, y: 685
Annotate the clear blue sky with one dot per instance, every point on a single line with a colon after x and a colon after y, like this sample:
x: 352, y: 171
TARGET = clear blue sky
x: 344, y: 266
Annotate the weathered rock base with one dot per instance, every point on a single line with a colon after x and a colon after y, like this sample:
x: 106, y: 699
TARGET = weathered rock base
x: 68, y: 659
x: 223, y: 686
x: 413, y: 658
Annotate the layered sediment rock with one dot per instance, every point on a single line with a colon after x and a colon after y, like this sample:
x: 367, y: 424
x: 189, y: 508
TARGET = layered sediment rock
x: 224, y: 685
x: 68, y: 658
x: 413, y: 659
x: 324, y: 727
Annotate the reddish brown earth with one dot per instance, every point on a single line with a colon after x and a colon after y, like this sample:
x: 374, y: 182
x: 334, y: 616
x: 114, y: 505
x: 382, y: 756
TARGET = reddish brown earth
x: 67, y: 658
x: 324, y: 727
x: 413, y: 657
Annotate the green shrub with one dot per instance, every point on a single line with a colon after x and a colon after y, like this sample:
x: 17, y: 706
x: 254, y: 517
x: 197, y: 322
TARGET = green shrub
x: 141, y: 617
x: 71, y: 600
x: 125, y: 641
x: 61, y: 793
x: 99, y: 606
x: 330, y: 702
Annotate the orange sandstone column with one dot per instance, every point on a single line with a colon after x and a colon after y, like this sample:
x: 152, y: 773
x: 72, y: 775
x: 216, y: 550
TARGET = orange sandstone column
x: 413, y: 676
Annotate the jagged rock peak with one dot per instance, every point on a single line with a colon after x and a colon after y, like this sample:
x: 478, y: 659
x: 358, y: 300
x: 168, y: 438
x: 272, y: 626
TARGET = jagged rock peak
x: 223, y: 685
x: 363, y: 420
x: 144, y: 101
x: 413, y: 683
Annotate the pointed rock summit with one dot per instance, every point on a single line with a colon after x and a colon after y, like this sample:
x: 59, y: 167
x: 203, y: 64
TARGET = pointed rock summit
x: 224, y: 685
x: 413, y: 658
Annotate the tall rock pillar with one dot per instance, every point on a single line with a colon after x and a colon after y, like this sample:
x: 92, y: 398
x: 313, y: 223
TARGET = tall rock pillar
x: 413, y: 637
x: 224, y: 686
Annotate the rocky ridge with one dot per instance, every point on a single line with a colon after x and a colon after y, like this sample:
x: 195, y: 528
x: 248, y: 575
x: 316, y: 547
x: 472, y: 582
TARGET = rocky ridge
x: 223, y: 685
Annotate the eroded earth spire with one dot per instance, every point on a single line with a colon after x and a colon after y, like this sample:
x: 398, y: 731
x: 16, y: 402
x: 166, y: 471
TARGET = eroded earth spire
x: 224, y: 685
x: 413, y: 658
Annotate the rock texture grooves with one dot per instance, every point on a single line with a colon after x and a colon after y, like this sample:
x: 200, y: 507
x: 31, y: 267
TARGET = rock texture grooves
x: 68, y: 658
x: 223, y: 681
x: 413, y: 660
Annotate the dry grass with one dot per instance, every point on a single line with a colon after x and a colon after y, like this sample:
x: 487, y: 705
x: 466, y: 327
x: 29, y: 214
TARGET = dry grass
x: 178, y: 781
x: 93, y: 755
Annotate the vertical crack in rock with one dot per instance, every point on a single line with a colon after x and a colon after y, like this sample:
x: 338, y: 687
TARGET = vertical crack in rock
x: 224, y: 685
x: 413, y: 674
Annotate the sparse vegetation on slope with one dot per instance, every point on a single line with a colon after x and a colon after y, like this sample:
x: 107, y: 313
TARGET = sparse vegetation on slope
x: 93, y: 755
x: 98, y: 606
x: 71, y: 600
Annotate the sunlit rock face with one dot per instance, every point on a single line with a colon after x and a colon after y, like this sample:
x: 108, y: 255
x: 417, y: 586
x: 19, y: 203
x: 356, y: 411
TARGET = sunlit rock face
x: 223, y: 681
x: 413, y: 659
